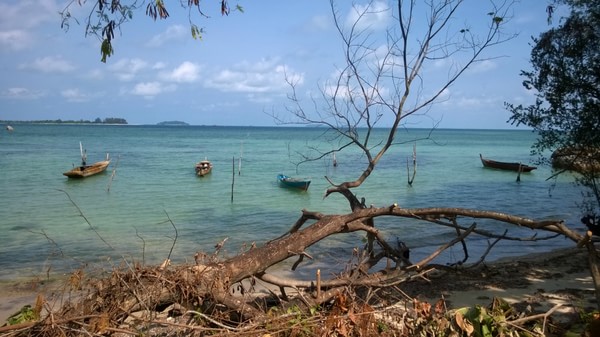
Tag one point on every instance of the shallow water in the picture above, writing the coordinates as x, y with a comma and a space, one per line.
49, 222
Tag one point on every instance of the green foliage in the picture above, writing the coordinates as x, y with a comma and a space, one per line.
565, 80
157, 10
26, 314
477, 321
105, 17
196, 32
106, 50
114, 120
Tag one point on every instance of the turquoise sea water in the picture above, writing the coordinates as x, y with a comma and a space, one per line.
154, 190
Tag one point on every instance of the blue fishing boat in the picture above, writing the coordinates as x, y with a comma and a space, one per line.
289, 182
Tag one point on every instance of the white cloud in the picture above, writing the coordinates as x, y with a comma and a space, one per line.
74, 95
445, 95
440, 63
49, 64
159, 65
127, 69
15, 40
371, 16
95, 74
18, 18
483, 66
319, 23
260, 77
218, 106
186, 72
151, 89
21, 93
173, 33
259, 98
147, 89
464, 100
27, 14
342, 92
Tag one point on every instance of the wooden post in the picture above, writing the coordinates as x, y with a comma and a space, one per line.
414, 160
318, 284
232, 177
240, 161
114, 171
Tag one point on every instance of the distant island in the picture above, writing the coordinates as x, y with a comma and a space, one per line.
172, 123
108, 120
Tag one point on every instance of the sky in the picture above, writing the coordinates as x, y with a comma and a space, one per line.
236, 74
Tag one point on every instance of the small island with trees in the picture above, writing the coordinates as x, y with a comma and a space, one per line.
98, 120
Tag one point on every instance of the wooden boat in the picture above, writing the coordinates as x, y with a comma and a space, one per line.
203, 168
517, 167
83, 171
289, 182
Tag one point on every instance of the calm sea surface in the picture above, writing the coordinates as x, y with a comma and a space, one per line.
154, 190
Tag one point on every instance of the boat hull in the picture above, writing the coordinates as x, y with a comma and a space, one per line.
87, 170
500, 165
294, 183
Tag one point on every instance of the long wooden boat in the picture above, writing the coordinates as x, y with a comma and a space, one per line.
203, 168
83, 171
500, 165
289, 182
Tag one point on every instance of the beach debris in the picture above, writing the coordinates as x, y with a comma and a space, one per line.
165, 264
592, 222
25, 314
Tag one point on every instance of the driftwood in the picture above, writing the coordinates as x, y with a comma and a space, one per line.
224, 288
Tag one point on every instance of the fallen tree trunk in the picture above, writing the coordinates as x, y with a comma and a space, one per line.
211, 283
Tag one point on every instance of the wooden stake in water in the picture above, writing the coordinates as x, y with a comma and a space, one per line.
232, 177
240, 161
114, 172
414, 162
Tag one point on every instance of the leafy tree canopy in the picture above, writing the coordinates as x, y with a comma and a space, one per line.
566, 81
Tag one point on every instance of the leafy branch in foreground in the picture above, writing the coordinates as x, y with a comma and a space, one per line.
106, 17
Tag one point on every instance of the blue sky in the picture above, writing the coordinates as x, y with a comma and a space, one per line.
235, 74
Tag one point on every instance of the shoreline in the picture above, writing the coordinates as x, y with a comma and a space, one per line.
533, 282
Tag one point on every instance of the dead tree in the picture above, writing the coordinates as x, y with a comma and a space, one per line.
386, 82
210, 282
374, 82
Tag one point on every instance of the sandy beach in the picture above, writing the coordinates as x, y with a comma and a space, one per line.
533, 284
14, 295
